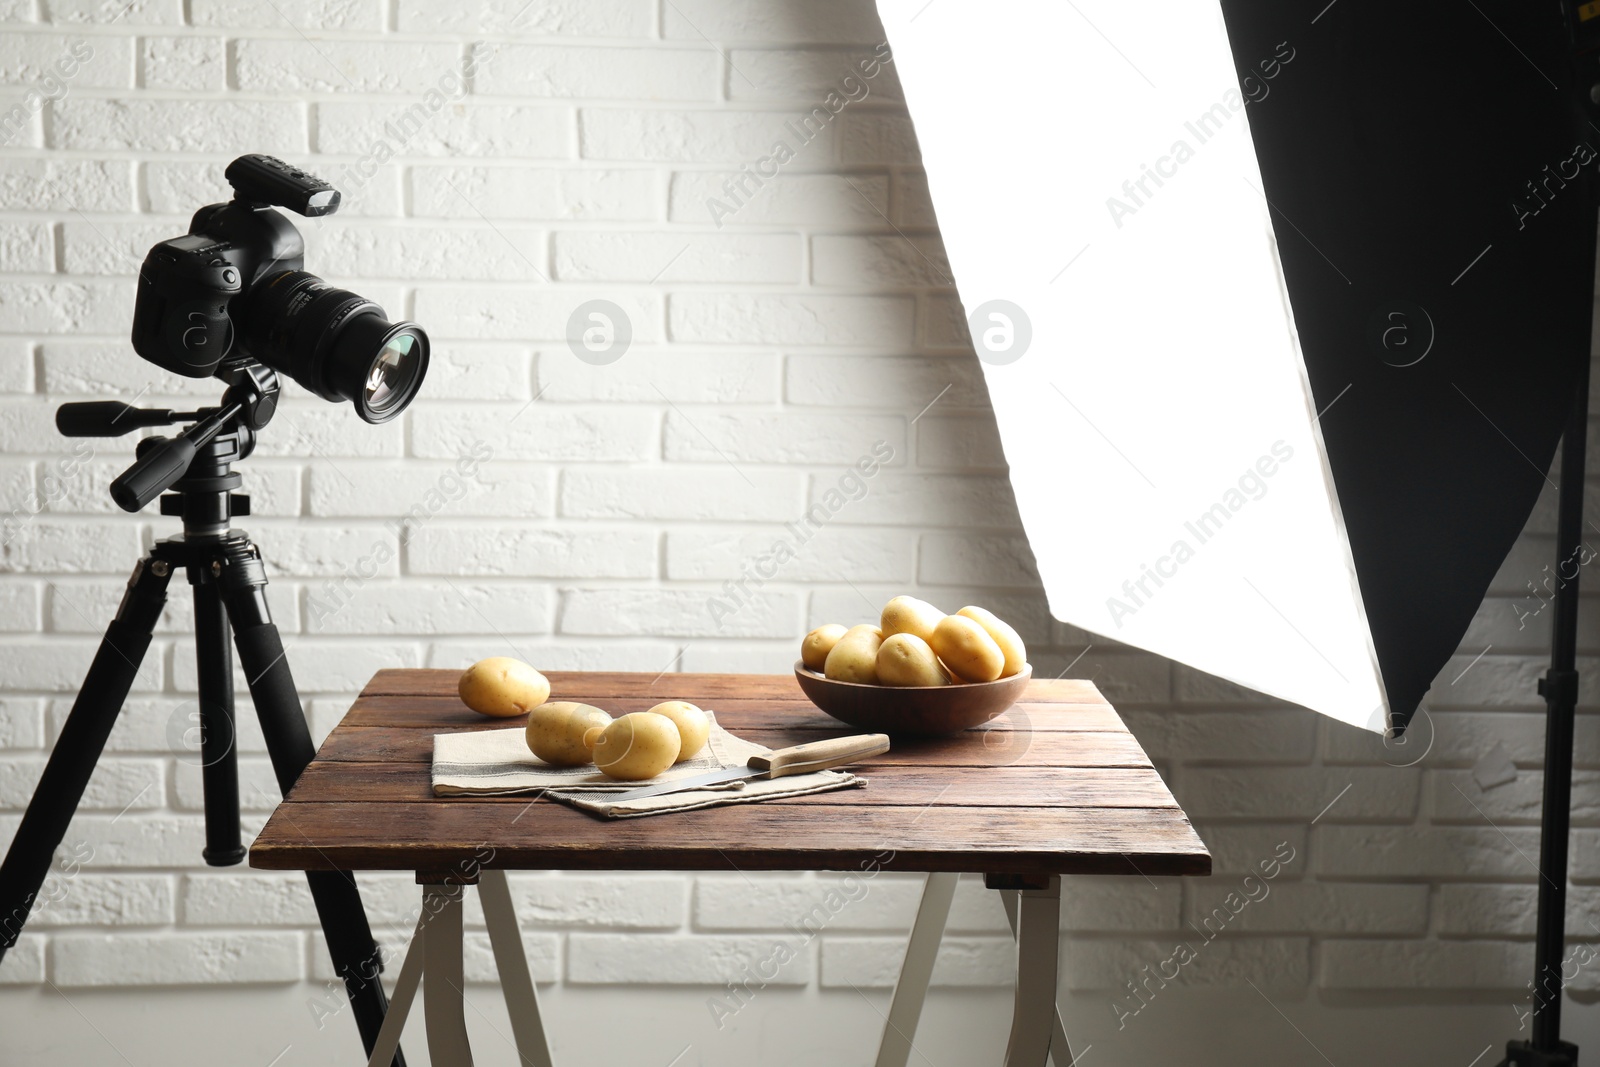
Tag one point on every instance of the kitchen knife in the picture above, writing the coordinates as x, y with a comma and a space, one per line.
801, 759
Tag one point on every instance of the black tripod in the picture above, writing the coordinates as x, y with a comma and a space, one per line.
229, 583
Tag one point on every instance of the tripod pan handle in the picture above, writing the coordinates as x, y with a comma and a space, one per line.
153, 473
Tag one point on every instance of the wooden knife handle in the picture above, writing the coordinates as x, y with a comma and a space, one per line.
820, 755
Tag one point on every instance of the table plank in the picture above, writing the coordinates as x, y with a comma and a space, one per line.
974, 748
437, 834
440, 713
1092, 787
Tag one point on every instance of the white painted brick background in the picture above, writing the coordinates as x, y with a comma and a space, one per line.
768, 354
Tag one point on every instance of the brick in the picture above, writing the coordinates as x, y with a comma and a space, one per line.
110, 369
392, 490
26, 248
924, 386
806, 906
554, 193
478, 372
292, 66
604, 73
158, 725
630, 959
1425, 852
611, 901
966, 444
668, 258
1510, 910
547, 434
936, 500
677, 613
798, 555
789, 198
137, 13
1374, 793
98, 900
65, 546
626, 18
1462, 737
879, 262
588, 656
255, 898
21, 723
771, 657
95, 63
1238, 849
319, 666
652, 375
681, 493
85, 607
996, 560
765, 437
1457, 797
192, 64
701, 136
318, 15
24, 962
1309, 907
811, 74
16, 366
943, 324
913, 204
821, 22
328, 433
177, 959
24, 128
73, 307
789, 319
113, 248
871, 137
874, 963
1276, 736
135, 840
88, 124
331, 551
1499, 681
414, 252
116, 784
1281, 963
482, 313
573, 552
428, 608
457, 130
1431, 965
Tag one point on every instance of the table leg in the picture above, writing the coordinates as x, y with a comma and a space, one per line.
1038, 947
916, 970
522, 1000
405, 991
1060, 1051
444, 986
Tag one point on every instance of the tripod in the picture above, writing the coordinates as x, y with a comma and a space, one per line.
229, 585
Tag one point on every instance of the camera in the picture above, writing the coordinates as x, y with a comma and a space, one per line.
232, 290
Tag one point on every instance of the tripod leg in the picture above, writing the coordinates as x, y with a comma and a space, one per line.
77, 750
344, 921
219, 769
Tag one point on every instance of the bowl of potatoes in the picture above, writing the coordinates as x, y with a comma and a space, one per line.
916, 671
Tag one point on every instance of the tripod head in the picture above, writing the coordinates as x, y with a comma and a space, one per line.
247, 406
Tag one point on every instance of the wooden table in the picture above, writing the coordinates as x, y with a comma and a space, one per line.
1055, 786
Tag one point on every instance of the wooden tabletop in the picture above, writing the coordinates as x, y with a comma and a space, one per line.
1057, 785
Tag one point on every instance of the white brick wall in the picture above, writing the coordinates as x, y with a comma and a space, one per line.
770, 349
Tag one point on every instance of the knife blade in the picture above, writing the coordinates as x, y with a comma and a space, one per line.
800, 759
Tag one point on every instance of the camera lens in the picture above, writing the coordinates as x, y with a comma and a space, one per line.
336, 343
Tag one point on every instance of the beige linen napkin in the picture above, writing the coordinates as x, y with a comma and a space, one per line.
497, 762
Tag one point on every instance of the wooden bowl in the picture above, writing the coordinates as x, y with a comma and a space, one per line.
924, 710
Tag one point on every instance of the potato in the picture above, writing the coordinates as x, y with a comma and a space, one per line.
906, 659
967, 649
1009, 640
818, 643
502, 687
640, 745
556, 732
908, 615
854, 658
694, 726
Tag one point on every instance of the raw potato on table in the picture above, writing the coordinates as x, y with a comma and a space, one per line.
502, 687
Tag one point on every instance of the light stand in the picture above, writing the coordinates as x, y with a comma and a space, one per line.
229, 584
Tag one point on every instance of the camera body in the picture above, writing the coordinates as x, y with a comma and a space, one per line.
232, 290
